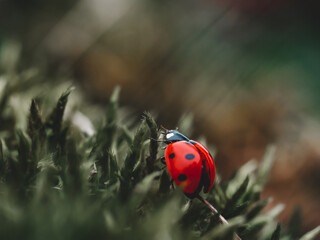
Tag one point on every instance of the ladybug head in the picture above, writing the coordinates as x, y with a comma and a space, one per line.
175, 136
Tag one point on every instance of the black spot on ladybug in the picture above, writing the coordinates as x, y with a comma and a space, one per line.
189, 156
182, 177
172, 155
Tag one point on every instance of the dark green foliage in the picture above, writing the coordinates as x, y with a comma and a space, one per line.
294, 226
153, 148
252, 229
132, 167
106, 134
53, 124
54, 121
4, 98
256, 208
35, 123
276, 233
57, 182
224, 231
2, 159
165, 182
232, 207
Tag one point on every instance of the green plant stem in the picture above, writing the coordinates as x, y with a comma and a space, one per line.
215, 211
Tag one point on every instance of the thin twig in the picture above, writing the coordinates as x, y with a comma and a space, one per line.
215, 211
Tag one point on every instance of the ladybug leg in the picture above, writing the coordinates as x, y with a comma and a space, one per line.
163, 168
163, 160
171, 182
163, 129
157, 140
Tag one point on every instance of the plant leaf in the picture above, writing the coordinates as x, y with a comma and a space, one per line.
311, 234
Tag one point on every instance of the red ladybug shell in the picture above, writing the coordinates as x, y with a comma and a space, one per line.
184, 165
209, 166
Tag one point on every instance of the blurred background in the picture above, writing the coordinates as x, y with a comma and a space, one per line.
246, 71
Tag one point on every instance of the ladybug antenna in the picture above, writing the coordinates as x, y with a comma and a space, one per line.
157, 140
215, 211
164, 129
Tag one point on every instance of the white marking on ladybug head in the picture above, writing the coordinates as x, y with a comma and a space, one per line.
169, 135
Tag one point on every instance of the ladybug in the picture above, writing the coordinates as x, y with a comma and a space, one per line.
191, 167
189, 163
